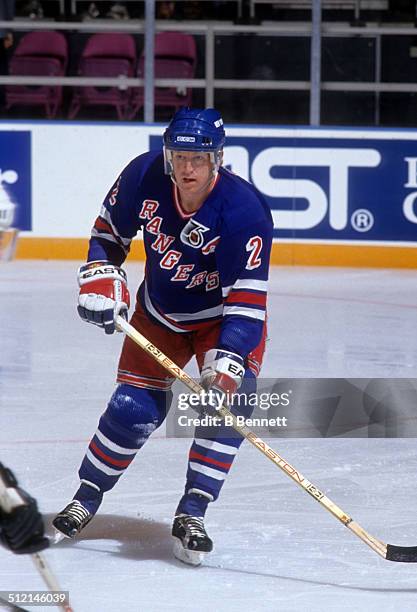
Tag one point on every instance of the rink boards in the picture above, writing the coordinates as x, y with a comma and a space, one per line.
338, 197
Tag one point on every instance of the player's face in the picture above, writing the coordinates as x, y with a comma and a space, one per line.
192, 170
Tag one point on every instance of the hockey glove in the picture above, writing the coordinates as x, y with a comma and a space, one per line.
21, 524
221, 376
103, 294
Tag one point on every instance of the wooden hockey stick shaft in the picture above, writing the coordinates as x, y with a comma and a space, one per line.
387, 551
49, 578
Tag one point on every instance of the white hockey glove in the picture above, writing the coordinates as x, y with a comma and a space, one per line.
103, 294
222, 374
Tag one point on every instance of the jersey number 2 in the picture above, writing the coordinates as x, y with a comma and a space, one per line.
254, 245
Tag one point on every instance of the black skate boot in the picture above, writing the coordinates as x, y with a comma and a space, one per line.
71, 520
191, 540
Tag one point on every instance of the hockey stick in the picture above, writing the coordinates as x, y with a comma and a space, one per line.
405, 554
49, 578
10, 499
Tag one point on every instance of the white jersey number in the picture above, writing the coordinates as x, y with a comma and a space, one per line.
254, 246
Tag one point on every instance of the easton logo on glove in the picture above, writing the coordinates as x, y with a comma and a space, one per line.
235, 369
103, 294
222, 370
100, 271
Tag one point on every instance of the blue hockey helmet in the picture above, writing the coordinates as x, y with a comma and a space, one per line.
195, 129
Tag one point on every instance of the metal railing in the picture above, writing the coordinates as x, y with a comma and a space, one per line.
353, 5
209, 83
238, 4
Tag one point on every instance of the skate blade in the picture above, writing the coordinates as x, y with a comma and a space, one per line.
58, 536
191, 557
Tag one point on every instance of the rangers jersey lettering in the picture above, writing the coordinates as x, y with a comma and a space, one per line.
200, 267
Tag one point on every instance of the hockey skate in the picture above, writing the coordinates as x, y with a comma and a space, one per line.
71, 520
191, 542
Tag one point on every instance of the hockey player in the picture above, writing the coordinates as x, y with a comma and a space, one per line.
21, 524
207, 236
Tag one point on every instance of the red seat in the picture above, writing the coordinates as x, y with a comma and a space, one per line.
38, 54
175, 57
105, 55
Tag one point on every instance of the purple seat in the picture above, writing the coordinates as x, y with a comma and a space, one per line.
175, 57
105, 55
38, 54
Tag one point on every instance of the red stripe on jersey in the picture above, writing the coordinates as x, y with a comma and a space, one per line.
259, 299
101, 224
117, 462
194, 455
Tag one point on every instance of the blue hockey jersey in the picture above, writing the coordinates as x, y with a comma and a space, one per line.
203, 266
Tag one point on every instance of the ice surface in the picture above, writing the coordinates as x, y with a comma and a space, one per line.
275, 547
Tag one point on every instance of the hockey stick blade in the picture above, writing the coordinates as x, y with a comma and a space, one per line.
402, 554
